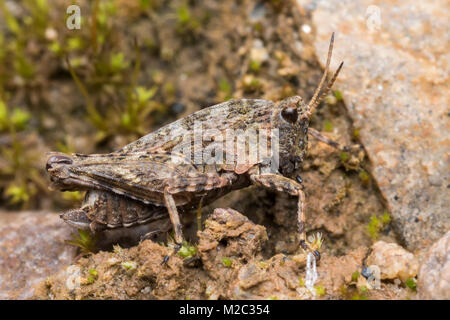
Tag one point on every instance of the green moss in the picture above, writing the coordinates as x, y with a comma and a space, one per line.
227, 262
186, 23
358, 296
356, 134
225, 88
344, 156
23, 67
376, 224
343, 290
374, 227
255, 66
169, 90
93, 275
363, 290
55, 47
84, 240
17, 194
385, 218
338, 94
117, 62
411, 284
327, 126
320, 290
187, 251
365, 177
74, 43
355, 276
93, 272
129, 265
11, 22
301, 282
258, 27
15, 120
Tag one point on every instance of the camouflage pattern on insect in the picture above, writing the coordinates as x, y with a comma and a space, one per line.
147, 180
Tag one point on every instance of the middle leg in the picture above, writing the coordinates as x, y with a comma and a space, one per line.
193, 184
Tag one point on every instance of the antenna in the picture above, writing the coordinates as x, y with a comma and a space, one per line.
316, 99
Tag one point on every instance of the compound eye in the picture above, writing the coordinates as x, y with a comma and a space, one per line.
290, 114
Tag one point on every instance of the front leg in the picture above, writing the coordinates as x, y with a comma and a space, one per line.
319, 136
355, 151
283, 184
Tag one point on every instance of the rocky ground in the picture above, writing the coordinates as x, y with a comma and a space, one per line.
383, 212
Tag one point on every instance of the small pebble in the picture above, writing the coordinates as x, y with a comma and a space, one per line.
306, 28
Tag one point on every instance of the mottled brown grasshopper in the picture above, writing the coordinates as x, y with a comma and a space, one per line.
152, 178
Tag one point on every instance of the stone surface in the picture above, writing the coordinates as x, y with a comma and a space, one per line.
394, 261
31, 249
232, 267
395, 86
434, 273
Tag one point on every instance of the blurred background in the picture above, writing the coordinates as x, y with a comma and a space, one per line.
134, 66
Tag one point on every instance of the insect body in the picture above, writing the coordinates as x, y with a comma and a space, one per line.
153, 177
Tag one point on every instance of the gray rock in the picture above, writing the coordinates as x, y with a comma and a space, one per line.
31, 249
395, 85
434, 273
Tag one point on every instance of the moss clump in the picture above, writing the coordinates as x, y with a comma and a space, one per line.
227, 262
84, 240
16, 119
365, 178
411, 284
301, 282
255, 66
338, 94
93, 275
187, 251
129, 265
360, 294
320, 290
376, 224
385, 218
344, 156
225, 89
355, 276
327, 126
